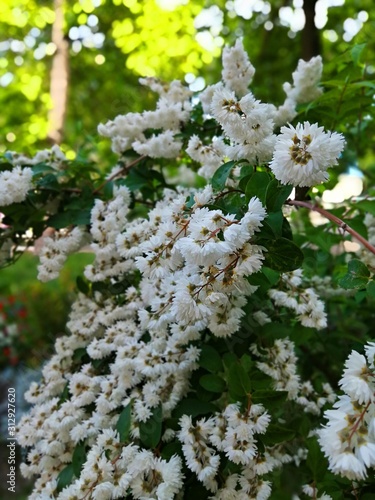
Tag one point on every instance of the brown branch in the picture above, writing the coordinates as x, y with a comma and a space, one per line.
342, 225
124, 170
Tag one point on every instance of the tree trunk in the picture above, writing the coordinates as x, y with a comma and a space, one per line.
310, 33
59, 77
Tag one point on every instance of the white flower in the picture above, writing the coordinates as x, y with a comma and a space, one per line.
303, 154
358, 380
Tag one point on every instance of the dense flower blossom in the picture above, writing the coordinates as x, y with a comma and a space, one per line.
14, 185
348, 438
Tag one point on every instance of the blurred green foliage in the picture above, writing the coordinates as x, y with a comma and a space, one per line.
45, 306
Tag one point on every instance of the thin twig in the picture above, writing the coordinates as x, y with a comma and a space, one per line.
342, 225
124, 170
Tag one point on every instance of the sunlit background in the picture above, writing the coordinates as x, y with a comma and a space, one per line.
105, 45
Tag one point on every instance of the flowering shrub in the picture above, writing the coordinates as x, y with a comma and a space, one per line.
199, 355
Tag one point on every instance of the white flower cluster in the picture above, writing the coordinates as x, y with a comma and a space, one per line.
280, 363
14, 185
194, 263
142, 374
172, 111
107, 221
305, 88
348, 438
300, 156
233, 433
238, 72
54, 157
303, 301
56, 249
303, 153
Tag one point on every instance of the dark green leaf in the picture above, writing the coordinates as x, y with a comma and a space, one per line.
79, 458
276, 195
275, 222
136, 180
270, 399
213, 383
221, 175
82, 285
65, 477
228, 359
49, 181
79, 353
239, 384
371, 289
257, 186
357, 275
170, 449
277, 434
123, 423
150, 431
282, 255
193, 407
315, 459
210, 359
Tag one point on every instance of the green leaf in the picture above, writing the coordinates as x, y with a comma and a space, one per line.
79, 458
276, 195
136, 179
150, 431
213, 383
123, 423
275, 222
357, 275
79, 353
277, 434
65, 219
315, 459
170, 449
210, 359
246, 362
193, 407
356, 52
257, 186
41, 168
49, 181
371, 289
270, 399
228, 359
282, 255
65, 477
239, 384
272, 276
82, 285
366, 206
221, 175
